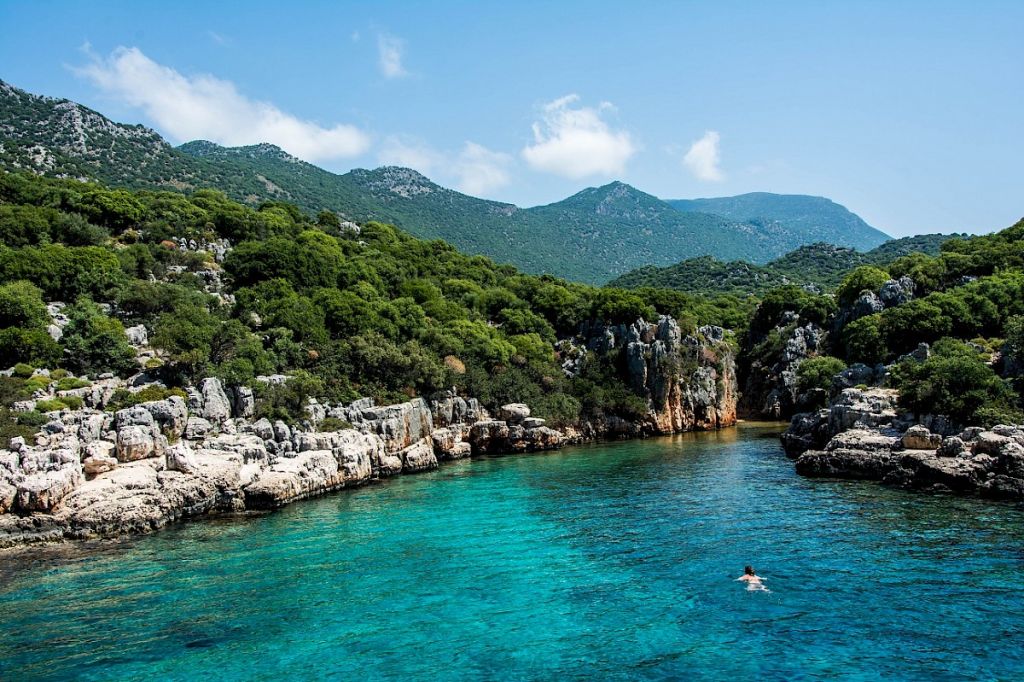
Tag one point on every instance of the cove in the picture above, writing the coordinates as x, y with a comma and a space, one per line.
607, 561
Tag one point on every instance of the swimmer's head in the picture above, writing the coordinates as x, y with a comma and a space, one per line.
749, 570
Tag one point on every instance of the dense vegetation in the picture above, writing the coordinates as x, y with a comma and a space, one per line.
967, 303
819, 266
589, 237
344, 313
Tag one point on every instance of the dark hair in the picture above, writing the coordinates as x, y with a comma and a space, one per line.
749, 570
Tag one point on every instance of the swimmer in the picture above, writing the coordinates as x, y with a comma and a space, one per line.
753, 581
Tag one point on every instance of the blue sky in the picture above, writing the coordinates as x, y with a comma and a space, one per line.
909, 113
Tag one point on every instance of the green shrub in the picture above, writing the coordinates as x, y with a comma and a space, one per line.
864, 278
817, 372
74, 402
33, 384
67, 383
953, 381
96, 343
51, 405
34, 419
12, 427
35, 346
23, 370
863, 341
123, 398
328, 424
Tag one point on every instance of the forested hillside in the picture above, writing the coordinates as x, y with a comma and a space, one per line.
589, 237
815, 219
236, 292
820, 266
945, 330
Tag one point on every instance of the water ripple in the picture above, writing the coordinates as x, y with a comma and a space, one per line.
602, 562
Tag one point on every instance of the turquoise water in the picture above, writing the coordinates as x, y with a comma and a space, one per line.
602, 562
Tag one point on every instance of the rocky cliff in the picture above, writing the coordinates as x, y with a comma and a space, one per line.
688, 382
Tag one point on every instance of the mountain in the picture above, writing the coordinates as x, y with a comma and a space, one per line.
592, 236
794, 219
821, 266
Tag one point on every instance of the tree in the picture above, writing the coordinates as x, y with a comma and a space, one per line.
863, 340
95, 343
864, 278
954, 381
818, 372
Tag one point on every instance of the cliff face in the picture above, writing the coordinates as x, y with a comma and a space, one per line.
688, 381
770, 382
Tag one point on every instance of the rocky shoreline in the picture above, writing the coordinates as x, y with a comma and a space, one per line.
96, 475
92, 472
864, 435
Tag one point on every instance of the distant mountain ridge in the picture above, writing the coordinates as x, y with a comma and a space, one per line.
592, 236
816, 219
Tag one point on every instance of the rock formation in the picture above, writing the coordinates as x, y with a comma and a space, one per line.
91, 473
864, 435
687, 381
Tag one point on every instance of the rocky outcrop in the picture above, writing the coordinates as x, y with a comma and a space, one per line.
93, 474
864, 435
688, 382
770, 386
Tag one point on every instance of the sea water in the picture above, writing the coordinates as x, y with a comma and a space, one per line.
609, 561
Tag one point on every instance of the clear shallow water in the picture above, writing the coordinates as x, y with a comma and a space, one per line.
601, 562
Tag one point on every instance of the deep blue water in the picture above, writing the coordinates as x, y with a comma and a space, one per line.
611, 561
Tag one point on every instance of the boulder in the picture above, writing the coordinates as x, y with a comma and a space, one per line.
197, 428
171, 414
99, 463
8, 493
418, 457
533, 422
90, 427
461, 450
243, 402
135, 442
488, 436
953, 447
136, 415
920, 438
137, 335
897, 291
180, 457
281, 432
307, 474
42, 491
216, 407
444, 441
263, 428
513, 413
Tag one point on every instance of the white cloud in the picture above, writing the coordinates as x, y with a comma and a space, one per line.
206, 107
576, 142
474, 169
402, 150
391, 50
481, 170
703, 159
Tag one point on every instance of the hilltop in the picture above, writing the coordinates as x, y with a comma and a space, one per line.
592, 236
792, 219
